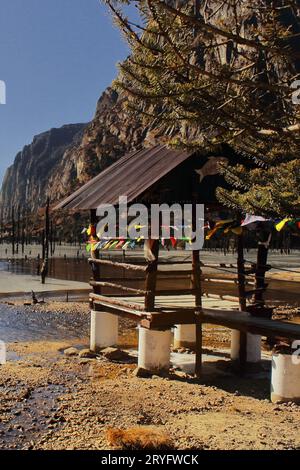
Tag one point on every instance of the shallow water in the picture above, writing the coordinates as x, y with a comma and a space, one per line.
24, 324
278, 292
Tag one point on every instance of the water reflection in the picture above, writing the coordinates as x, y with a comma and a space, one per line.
77, 269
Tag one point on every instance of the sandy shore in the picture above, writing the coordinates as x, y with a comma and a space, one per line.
51, 401
14, 283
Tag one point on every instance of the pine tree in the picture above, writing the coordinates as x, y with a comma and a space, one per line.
207, 73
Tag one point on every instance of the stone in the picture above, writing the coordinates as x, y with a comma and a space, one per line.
84, 361
180, 374
87, 354
70, 352
142, 373
115, 354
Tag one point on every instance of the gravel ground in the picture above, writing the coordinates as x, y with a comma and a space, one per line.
51, 401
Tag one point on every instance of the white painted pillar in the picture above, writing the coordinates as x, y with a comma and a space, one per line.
253, 347
185, 336
154, 349
285, 380
104, 330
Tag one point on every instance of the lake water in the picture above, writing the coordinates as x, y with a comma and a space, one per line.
78, 269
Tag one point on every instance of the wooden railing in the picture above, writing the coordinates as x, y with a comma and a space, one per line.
150, 273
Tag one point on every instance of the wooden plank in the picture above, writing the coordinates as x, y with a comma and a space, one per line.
116, 264
120, 311
219, 280
243, 322
112, 285
240, 321
116, 302
168, 317
230, 298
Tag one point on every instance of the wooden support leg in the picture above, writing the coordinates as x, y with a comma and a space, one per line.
198, 312
95, 254
261, 268
242, 299
150, 287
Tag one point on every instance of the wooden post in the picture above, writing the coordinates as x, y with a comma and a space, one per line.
51, 238
95, 254
150, 285
196, 279
43, 244
261, 268
242, 298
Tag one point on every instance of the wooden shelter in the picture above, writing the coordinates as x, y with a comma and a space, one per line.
163, 175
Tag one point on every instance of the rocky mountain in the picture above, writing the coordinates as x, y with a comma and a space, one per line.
110, 134
60, 160
26, 182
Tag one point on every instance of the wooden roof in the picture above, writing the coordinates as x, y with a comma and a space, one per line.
130, 176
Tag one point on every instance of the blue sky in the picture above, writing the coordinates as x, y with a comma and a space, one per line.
56, 57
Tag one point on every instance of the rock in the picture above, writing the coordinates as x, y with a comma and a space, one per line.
70, 352
87, 354
84, 361
180, 374
142, 373
115, 354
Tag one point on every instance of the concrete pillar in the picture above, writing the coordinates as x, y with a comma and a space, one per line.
285, 380
185, 336
253, 347
154, 349
104, 330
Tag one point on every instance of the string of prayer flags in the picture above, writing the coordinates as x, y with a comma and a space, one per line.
173, 241
251, 221
234, 228
280, 225
223, 227
220, 225
91, 230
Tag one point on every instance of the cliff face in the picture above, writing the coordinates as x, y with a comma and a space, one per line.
26, 182
110, 134
60, 160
